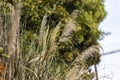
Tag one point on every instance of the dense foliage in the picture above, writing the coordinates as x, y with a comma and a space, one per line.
90, 14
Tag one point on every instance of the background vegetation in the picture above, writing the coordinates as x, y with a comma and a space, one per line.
49, 39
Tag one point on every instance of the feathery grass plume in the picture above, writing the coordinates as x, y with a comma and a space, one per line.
14, 25
70, 26
91, 55
68, 29
65, 43
53, 37
42, 29
87, 58
12, 37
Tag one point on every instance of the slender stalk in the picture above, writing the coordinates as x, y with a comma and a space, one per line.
96, 72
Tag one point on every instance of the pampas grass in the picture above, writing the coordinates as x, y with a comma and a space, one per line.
34, 56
